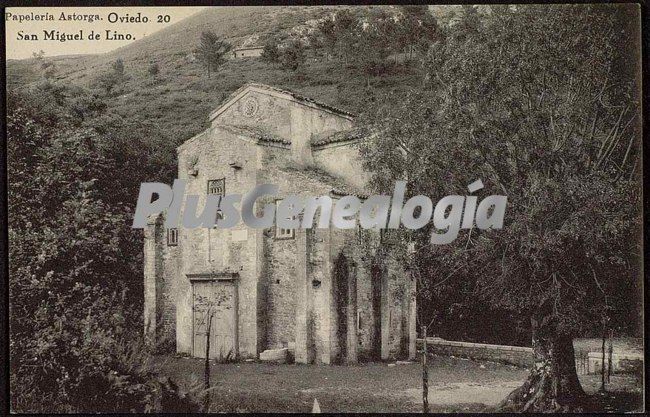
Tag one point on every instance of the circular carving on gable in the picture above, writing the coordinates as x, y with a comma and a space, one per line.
250, 107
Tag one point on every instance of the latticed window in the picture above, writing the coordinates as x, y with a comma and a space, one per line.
281, 233
217, 186
172, 237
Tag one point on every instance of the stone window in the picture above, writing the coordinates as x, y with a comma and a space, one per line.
217, 186
281, 233
172, 237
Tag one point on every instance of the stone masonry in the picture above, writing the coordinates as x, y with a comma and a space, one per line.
328, 295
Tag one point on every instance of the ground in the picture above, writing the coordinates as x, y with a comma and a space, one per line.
455, 385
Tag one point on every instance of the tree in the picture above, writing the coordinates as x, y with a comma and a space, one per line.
206, 308
271, 53
292, 55
526, 100
212, 51
113, 78
324, 37
74, 299
369, 48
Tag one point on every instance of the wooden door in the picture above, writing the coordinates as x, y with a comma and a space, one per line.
219, 300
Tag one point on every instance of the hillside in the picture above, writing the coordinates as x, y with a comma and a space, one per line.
179, 99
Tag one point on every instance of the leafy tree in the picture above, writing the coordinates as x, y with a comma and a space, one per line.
113, 78
72, 291
271, 53
526, 99
369, 48
212, 51
38, 56
337, 34
416, 30
324, 37
292, 55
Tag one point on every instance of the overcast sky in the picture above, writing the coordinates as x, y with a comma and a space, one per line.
18, 49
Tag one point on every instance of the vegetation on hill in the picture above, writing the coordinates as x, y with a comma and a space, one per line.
501, 93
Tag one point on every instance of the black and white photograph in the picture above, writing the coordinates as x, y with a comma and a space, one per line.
352, 208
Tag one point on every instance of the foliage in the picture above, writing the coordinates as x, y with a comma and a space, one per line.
292, 56
270, 53
524, 100
73, 292
212, 51
367, 40
116, 77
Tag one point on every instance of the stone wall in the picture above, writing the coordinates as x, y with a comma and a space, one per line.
514, 355
237, 250
622, 363
342, 159
280, 256
285, 288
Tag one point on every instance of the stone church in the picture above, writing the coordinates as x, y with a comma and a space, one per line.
328, 295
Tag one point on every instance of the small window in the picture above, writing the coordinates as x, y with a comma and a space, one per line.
172, 237
281, 233
217, 186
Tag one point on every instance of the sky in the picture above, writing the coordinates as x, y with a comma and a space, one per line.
19, 33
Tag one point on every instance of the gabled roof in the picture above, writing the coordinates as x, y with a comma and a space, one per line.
256, 133
341, 136
246, 48
338, 186
286, 94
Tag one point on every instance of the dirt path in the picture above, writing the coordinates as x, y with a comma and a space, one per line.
459, 393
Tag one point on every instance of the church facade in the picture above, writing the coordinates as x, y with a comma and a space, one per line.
328, 295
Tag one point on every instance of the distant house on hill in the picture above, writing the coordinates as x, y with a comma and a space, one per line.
248, 52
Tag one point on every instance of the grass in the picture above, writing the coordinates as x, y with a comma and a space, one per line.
179, 99
455, 385
371, 387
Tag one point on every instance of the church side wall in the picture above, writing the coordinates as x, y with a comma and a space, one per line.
280, 255
343, 161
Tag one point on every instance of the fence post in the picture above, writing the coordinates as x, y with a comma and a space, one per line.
602, 362
610, 352
425, 373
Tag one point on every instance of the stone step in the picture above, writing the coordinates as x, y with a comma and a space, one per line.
275, 355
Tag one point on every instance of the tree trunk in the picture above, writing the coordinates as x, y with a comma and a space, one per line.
553, 383
206, 372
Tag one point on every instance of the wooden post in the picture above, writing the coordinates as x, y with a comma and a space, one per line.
425, 373
610, 352
602, 362
206, 375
